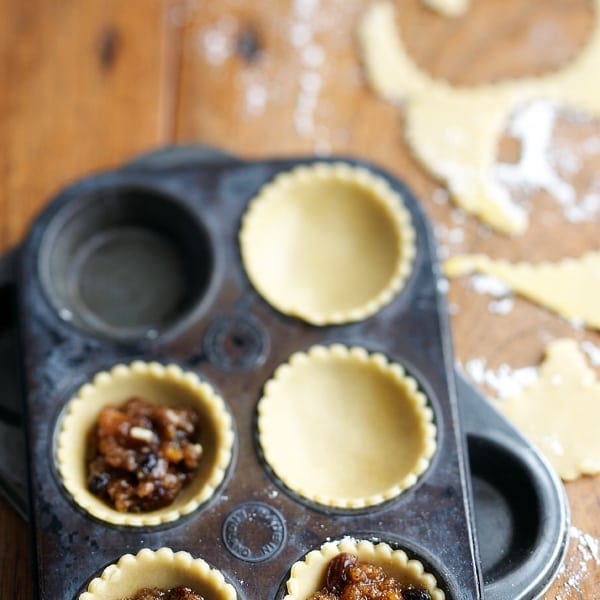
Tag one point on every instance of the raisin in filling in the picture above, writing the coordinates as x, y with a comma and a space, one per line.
178, 593
349, 579
141, 455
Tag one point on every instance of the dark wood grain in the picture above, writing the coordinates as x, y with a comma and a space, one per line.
87, 84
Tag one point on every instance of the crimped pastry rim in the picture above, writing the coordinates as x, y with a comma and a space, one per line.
317, 560
381, 193
380, 363
164, 558
220, 419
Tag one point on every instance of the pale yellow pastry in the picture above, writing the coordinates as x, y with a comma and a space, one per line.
454, 131
328, 243
448, 8
560, 411
345, 428
308, 575
163, 569
158, 384
570, 287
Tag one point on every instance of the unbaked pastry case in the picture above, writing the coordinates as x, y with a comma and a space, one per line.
79, 316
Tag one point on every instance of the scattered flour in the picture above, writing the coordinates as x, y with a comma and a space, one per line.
584, 556
533, 126
587, 209
266, 83
505, 381
449, 239
443, 285
486, 284
541, 161
593, 353
492, 286
218, 42
502, 306
311, 58
255, 97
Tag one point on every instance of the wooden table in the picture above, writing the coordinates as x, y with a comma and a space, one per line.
85, 85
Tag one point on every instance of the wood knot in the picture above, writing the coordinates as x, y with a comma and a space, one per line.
109, 46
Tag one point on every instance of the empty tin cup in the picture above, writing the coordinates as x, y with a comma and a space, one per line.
126, 262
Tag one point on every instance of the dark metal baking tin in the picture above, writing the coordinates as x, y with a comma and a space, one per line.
60, 356
432, 519
13, 454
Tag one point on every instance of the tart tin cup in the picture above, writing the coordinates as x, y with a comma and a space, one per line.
328, 243
308, 575
158, 384
520, 506
344, 428
126, 262
163, 569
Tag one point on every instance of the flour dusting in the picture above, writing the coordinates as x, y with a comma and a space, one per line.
486, 284
217, 43
505, 382
502, 306
545, 165
593, 353
533, 127
584, 556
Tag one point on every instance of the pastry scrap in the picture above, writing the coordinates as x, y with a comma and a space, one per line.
454, 132
570, 287
560, 412
328, 243
161, 574
331, 418
325, 574
139, 477
142, 454
448, 8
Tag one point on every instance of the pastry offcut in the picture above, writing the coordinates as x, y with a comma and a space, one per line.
157, 384
454, 131
560, 411
345, 428
162, 569
570, 287
328, 243
308, 575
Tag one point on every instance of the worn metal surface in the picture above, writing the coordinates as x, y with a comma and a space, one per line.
13, 461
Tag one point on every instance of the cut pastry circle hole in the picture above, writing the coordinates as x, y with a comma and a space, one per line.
328, 243
307, 576
163, 569
157, 384
330, 419
524, 41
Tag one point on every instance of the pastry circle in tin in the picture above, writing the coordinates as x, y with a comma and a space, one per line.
328, 243
158, 384
307, 576
163, 569
344, 428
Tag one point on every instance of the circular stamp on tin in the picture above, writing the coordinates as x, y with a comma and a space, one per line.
235, 343
254, 532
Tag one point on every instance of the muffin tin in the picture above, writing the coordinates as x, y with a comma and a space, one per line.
167, 226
